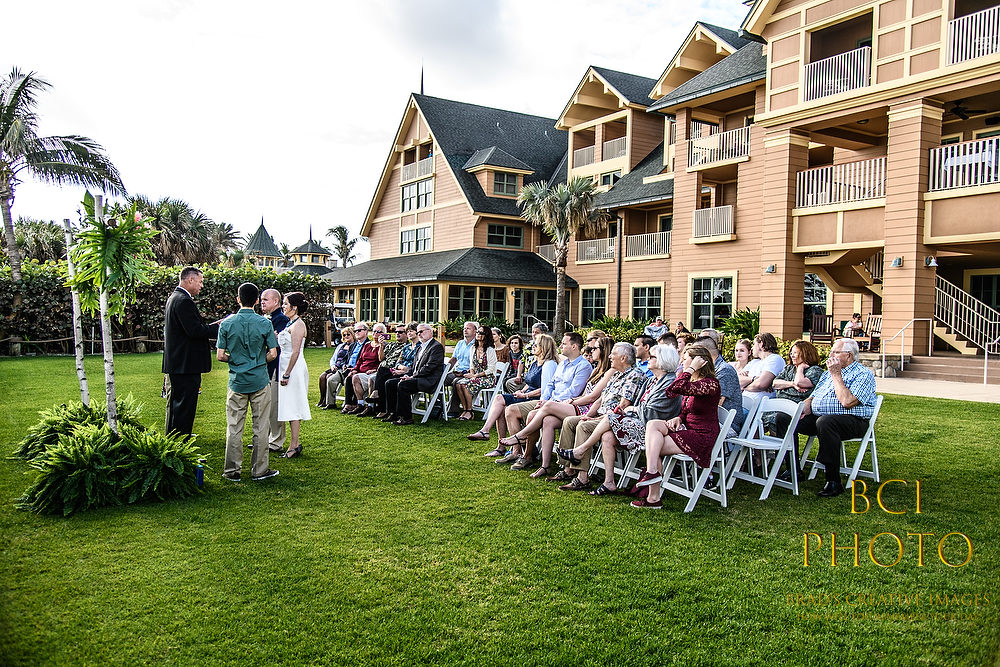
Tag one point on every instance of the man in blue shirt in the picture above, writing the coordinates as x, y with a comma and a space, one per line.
461, 361
270, 306
247, 342
643, 344
838, 409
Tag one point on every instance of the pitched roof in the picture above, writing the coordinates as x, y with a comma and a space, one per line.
747, 65
633, 87
730, 38
630, 190
261, 243
312, 246
461, 130
312, 270
480, 265
495, 157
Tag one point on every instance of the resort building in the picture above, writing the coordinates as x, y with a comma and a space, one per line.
312, 258
261, 251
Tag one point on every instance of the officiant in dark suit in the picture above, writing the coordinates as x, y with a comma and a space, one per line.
428, 366
187, 352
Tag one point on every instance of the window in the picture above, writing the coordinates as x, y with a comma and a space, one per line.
492, 302
986, 288
545, 306
414, 240
345, 296
665, 223
409, 197
315, 259
611, 178
504, 183
368, 306
646, 303
393, 300
711, 301
815, 300
505, 236
418, 195
425, 303
461, 302
595, 303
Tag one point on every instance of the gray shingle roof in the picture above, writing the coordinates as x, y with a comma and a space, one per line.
745, 66
262, 243
312, 247
635, 88
480, 265
312, 270
495, 157
630, 190
463, 129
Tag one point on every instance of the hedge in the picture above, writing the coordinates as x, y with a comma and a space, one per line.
45, 311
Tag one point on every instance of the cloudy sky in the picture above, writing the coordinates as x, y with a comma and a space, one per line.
286, 111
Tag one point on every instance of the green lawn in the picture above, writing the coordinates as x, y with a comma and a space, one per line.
396, 546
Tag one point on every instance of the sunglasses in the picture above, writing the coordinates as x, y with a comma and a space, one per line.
359, 330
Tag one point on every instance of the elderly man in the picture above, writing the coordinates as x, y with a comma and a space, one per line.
838, 409
461, 361
428, 365
270, 306
367, 362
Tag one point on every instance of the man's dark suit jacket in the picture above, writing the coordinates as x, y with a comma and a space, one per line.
186, 348
428, 368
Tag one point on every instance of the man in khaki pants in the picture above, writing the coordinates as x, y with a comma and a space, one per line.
247, 342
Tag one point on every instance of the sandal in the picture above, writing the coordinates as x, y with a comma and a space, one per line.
463, 418
499, 451
541, 472
478, 435
514, 440
575, 485
568, 455
561, 476
603, 490
293, 452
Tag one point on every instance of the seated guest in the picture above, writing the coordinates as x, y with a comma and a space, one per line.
481, 375
626, 429
541, 372
642, 346
403, 365
838, 409
593, 336
743, 357
729, 381
428, 366
567, 383
367, 362
499, 344
680, 328
657, 328
515, 356
331, 379
798, 379
516, 383
621, 390
389, 352
761, 376
461, 360
854, 328
668, 338
693, 432
683, 340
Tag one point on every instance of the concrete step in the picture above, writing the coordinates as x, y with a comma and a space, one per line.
960, 344
967, 377
950, 367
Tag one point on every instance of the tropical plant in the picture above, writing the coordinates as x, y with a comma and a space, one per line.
453, 327
743, 323
156, 466
62, 160
40, 240
561, 212
286, 254
619, 328
343, 245
57, 421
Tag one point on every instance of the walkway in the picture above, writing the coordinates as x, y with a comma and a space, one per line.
962, 391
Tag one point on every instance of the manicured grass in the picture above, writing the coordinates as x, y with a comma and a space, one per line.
396, 546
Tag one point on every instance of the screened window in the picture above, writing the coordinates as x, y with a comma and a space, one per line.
492, 302
461, 301
392, 298
368, 304
505, 236
425, 303
611, 177
595, 304
409, 197
711, 301
425, 193
504, 183
646, 303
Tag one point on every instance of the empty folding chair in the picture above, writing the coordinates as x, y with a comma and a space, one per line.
866, 446
689, 471
773, 451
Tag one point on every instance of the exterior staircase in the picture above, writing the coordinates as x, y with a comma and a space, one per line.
951, 367
955, 341
963, 321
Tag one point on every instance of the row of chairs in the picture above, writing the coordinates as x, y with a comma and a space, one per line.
425, 402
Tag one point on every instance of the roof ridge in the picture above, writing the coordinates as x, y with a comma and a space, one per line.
482, 106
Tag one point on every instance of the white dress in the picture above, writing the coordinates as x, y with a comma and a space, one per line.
293, 398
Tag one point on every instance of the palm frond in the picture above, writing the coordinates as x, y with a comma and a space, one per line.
73, 160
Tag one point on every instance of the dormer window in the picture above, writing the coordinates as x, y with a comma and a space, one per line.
504, 184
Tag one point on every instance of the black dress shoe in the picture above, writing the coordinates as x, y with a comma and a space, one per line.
831, 490
403, 421
389, 418
369, 411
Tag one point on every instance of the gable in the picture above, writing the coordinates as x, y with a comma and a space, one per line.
704, 46
602, 92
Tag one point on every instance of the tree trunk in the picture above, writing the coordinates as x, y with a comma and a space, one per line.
562, 251
13, 254
109, 353
81, 374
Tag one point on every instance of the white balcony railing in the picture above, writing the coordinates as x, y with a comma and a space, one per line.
547, 252
965, 164
614, 148
418, 169
715, 221
719, 147
876, 265
847, 71
840, 183
700, 128
974, 36
583, 156
647, 245
595, 250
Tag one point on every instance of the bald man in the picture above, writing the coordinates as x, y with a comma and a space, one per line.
270, 305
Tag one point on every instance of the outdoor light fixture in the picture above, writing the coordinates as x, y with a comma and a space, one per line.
930, 261
896, 262
770, 268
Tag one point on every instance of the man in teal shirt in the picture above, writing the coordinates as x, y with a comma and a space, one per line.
247, 342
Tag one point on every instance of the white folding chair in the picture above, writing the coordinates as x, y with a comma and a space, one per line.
689, 470
773, 450
867, 445
626, 465
750, 405
424, 402
484, 399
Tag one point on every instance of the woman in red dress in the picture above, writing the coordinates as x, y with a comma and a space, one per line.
693, 432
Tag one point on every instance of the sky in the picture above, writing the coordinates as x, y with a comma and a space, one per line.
287, 111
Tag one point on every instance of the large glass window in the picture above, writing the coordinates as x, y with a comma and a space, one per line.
414, 240
492, 301
461, 302
418, 195
345, 296
986, 288
504, 183
711, 301
425, 303
505, 236
815, 300
393, 307
368, 304
531, 305
595, 304
646, 303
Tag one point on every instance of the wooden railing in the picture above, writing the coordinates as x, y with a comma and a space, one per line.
595, 250
715, 221
719, 147
418, 169
965, 164
847, 71
614, 148
876, 265
583, 156
974, 36
840, 183
647, 245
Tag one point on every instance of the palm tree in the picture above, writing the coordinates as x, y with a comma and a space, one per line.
39, 239
62, 160
343, 247
286, 254
561, 212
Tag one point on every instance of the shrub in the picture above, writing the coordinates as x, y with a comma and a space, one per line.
453, 327
63, 420
744, 323
619, 328
156, 466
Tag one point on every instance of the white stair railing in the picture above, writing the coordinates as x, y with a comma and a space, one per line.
974, 36
966, 315
547, 252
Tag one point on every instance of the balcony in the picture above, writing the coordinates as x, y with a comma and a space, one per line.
547, 252
416, 170
614, 148
830, 76
965, 165
597, 250
583, 156
721, 147
974, 36
841, 183
713, 224
656, 244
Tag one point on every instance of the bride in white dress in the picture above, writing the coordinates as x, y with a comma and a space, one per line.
293, 387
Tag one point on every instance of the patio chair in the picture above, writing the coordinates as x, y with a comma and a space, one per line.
484, 399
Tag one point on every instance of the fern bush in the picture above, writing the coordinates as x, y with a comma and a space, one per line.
619, 328
62, 420
156, 467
